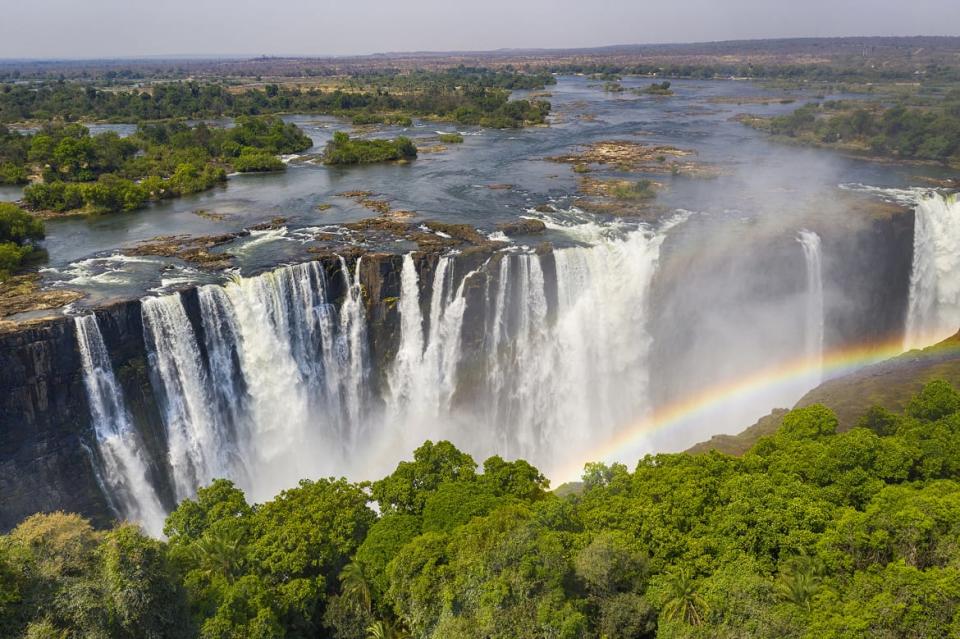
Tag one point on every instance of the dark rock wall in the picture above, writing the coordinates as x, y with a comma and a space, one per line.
714, 299
44, 426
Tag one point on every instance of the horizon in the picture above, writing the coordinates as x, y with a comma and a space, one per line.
302, 28
442, 52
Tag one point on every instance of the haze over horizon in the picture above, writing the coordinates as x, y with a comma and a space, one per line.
118, 28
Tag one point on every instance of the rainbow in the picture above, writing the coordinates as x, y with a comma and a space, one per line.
629, 440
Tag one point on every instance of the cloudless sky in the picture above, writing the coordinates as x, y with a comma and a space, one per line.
101, 28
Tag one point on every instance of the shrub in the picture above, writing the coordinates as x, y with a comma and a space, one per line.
254, 160
346, 150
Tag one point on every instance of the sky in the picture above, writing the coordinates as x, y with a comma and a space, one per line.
129, 28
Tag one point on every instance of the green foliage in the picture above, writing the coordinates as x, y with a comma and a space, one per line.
71, 581
811, 533
498, 576
517, 478
659, 88
18, 226
361, 119
639, 190
407, 489
927, 132
105, 173
610, 564
14, 149
480, 95
451, 138
683, 601
937, 399
812, 422
456, 503
345, 150
384, 540
111, 193
253, 160
19, 231
11, 173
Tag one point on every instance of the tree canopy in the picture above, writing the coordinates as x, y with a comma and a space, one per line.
813, 532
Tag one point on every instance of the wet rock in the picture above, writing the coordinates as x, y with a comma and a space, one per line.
210, 215
22, 294
523, 226
272, 225
195, 250
636, 157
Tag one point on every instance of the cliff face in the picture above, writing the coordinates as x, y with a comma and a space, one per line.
47, 441
44, 426
869, 269
720, 305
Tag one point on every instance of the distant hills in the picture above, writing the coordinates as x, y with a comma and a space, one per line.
876, 51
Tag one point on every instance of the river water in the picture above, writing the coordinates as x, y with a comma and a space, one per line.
454, 185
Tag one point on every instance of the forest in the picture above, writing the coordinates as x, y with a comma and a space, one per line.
811, 533
909, 129
107, 173
467, 96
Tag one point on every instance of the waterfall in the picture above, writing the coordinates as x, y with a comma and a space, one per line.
813, 331
282, 392
424, 376
560, 365
402, 383
934, 307
122, 470
531, 355
199, 448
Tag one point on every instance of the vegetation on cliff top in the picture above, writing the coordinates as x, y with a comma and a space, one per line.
810, 533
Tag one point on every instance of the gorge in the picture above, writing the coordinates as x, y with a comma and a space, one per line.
341, 364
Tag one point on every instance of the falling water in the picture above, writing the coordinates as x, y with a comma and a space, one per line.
552, 374
813, 327
122, 470
272, 382
934, 307
198, 447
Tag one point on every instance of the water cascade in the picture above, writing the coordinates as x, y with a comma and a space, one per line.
122, 470
272, 383
813, 331
934, 307
197, 444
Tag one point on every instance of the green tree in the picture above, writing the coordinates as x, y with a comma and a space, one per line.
811, 422
799, 581
409, 486
937, 399
683, 602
